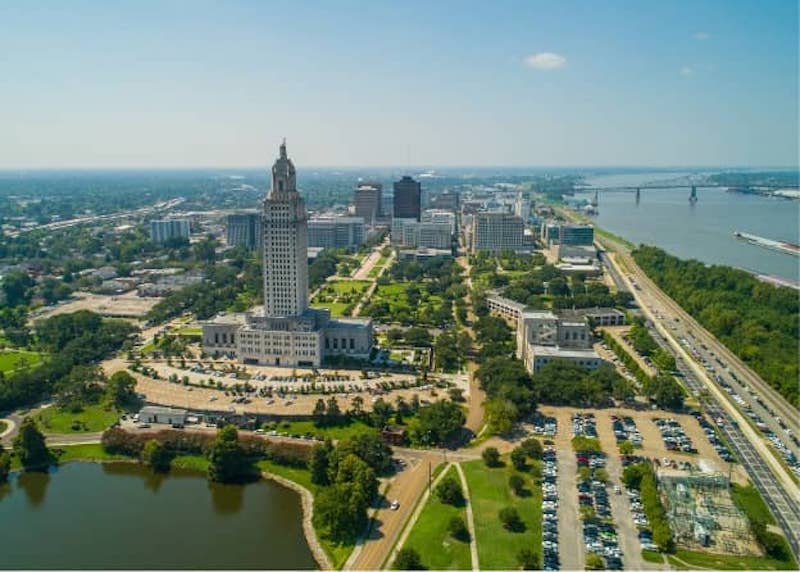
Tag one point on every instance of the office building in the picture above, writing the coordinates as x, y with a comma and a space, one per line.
335, 232
285, 331
163, 230
244, 229
576, 235
498, 231
543, 337
407, 198
413, 233
368, 200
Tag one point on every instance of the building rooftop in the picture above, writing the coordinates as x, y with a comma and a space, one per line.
556, 352
160, 410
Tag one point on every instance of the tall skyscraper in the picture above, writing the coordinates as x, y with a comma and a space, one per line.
367, 199
285, 331
285, 230
407, 198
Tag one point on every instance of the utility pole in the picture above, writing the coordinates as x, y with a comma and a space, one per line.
430, 478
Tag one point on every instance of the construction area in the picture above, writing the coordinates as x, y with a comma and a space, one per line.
703, 515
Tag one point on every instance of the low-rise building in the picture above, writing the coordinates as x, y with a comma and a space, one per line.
159, 414
335, 232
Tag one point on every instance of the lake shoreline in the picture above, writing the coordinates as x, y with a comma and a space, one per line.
306, 501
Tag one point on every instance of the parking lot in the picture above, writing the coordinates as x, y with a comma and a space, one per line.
163, 392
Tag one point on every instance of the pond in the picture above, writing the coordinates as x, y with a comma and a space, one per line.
119, 515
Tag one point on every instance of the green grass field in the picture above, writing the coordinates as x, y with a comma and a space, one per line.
337, 308
90, 452
11, 360
348, 286
92, 418
429, 537
688, 560
190, 332
749, 500
489, 492
335, 432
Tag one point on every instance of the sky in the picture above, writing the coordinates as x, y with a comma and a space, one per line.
196, 83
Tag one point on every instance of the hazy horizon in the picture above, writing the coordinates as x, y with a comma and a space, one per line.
374, 84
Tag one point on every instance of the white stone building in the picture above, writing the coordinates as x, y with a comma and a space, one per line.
285, 331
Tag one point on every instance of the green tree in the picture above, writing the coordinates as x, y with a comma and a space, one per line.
501, 415
626, 448
519, 458
228, 461
437, 423
509, 517
491, 457
516, 483
370, 448
594, 562
532, 447
5, 464
458, 529
528, 559
121, 388
449, 491
318, 415
408, 559
30, 448
156, 456
319, 463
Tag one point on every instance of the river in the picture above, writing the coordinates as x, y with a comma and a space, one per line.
664, 218
119, 515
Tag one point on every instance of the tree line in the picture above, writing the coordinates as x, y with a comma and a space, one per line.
758, 322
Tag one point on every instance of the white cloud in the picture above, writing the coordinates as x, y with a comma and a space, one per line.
701, 36
686, 71
545, 61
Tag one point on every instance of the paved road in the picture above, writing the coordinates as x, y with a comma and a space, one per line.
779, 490
570, 531
407, 488
620, 509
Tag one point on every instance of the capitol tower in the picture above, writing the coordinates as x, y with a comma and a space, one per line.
285, 226
285, 331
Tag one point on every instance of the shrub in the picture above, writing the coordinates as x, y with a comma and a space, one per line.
449, 491
519, 459
517, 484
491, 456
528, 559
408, 559
532, 447
510, 519
458, 529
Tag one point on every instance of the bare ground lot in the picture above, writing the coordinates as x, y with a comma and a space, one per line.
127, 305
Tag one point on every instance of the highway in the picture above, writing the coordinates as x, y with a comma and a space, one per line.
780, 492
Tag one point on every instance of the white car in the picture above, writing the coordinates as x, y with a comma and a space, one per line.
395, 504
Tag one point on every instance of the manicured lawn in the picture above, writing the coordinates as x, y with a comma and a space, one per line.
89, 452
337, 308
348, 286
429, 537
685, 559
652, 556
374, 271
11, 360
749, 500
193, 332
92, 418
190, 463
489, 492
334, 432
